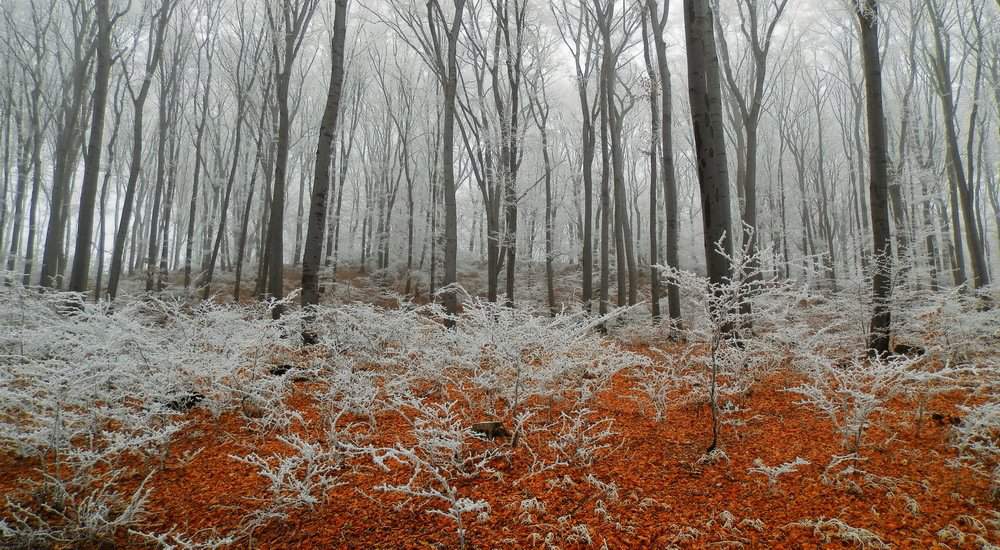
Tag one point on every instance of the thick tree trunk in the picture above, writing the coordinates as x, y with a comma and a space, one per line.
710, 146
878, 163
450, 82
62, 172
92, 164
324, 151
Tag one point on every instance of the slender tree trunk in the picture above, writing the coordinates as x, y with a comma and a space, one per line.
196, 180
24, 147
605, 201
36, 186
654, 144
138, 103
667, 162
961, 192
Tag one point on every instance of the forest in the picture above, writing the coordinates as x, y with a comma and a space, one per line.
499, 274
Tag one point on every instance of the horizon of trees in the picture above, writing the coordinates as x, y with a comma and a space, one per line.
411, 139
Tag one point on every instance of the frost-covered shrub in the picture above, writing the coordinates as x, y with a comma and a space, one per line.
87, 388
353, 392
507, 359
774, 472
75, 504
951, 325
722, 328
517, 354
368, 335
977, 439
296, 480
851, 395
830, 529
579, 440
444, 450
668, 381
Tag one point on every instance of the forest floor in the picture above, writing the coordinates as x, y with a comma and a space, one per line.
365, 442
658, 490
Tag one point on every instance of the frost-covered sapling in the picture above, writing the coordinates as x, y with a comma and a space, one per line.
774, 472
300, 479
724, 325
851, 395
443, 452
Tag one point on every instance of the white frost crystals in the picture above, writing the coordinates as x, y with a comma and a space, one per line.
85, 390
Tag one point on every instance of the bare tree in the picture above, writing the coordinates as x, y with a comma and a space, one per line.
578, 34
540, 110
958, 173
435, 39
68, 136
757, 25
878, 184
159, 21
318, 207
659, 25
705, 93
167, 117
288, 23
92, 166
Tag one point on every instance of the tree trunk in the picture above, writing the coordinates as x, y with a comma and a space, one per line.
878, 163
88, 189
667, 161
138, 103
710, 146
654, 143
324, 151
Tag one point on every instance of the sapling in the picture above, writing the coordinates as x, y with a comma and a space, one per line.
300, 479
851, 395
774, 472
440, 455
728, 311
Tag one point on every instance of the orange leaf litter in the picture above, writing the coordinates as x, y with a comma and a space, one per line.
665, 497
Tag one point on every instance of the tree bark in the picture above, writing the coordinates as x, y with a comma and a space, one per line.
312, 256
705, 96
91, 171
878, 164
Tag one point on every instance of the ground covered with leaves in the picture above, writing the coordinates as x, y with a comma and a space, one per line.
173, 424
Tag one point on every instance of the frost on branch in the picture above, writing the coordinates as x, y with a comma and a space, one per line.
444, 451
828, 530
300, 479
774, 472
977, 440
852, 395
